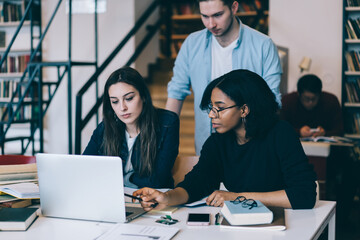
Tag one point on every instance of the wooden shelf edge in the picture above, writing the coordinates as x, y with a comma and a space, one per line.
352, 73
352, 9
11, 75
17, 51
350, 41
198, 16
13, 24
351, 104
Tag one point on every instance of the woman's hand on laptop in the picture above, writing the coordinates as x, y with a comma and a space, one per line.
151, 198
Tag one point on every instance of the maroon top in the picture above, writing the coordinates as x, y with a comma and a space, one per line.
326, 114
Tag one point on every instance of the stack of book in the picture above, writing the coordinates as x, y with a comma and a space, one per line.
16, 182
236, 216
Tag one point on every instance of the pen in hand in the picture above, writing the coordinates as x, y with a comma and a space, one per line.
154, 205
133, 197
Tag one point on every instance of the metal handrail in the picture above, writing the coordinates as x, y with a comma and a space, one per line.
29, 71
81, 123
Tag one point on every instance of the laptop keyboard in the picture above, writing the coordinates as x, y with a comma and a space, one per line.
129, 213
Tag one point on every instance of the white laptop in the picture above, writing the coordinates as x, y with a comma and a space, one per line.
83, 187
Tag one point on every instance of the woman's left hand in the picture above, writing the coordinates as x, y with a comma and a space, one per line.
217, 198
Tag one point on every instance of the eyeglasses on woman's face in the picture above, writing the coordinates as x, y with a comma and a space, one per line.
216, 111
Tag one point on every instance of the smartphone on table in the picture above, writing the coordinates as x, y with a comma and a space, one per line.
198, 219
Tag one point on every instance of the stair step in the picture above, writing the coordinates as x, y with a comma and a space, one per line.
165, 64
187, 146
160, 76
187, 126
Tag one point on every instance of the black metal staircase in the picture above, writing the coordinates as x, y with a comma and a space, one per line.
36, 92
32, 90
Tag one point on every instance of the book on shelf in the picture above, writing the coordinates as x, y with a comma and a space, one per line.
2, 39
353, 90
349, 33
18, 203
15, 63
278, 223
332, 139
236, 214
349, 62
353, 3
21, 190
247, 7
355, 59
185, 8
355, 27
17, 219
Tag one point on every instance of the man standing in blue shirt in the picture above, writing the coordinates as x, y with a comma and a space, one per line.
224, 45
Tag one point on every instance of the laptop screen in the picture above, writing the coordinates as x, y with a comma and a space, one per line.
81, 187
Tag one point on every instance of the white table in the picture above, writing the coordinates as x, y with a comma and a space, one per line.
301, 224
321, 149
316, 149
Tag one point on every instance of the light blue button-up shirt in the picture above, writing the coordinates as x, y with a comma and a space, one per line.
254, 51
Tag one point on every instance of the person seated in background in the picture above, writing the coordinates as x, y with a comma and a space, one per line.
311, 108
145, 138
311, 111
253, 153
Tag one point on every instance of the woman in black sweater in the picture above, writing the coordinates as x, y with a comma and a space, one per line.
253, 153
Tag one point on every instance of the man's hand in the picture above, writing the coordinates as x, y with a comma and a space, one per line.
305, 131
320, 132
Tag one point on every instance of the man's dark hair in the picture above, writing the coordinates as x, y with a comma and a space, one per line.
226, 2
246, 87
310, 83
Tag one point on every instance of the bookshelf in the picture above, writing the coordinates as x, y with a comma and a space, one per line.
351, 69
15, 55
185, 18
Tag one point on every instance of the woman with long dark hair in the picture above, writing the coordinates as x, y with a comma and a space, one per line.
253, 153
146, 138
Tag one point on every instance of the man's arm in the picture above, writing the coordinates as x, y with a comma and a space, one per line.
272, 68
174, 105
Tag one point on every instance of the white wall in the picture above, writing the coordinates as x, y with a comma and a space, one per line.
311, 28
114, 24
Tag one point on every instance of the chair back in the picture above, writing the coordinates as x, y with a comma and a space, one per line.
16, 159
183, 165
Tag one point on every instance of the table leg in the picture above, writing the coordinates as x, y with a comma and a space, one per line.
331, 228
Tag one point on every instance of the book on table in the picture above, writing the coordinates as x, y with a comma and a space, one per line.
17, 203
17, 219
158, 213
18, 173
18, 168
237, 214
277, 224
21, 190
332, 139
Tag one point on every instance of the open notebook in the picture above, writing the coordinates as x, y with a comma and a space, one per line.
83, 187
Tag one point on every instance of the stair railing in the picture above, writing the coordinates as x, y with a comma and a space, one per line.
33, 75
80, 122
